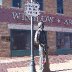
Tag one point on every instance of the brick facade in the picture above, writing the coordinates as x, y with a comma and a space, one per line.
7, 3
50, 6
68, 8
51, 40
4, 44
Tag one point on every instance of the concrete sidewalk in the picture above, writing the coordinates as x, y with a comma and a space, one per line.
62, 67
16, 59
57, 67
21, 64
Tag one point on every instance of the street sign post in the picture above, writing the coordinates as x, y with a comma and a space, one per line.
32, 10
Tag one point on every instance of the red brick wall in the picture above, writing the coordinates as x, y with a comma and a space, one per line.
51, 40
4, 45
7, 3
50, 6
68, 8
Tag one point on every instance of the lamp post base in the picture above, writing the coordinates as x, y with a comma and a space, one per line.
32, 67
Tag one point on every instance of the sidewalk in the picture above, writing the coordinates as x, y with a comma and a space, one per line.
16, 59
22, 64
61, 67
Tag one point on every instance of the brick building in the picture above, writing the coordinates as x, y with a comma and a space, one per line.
15, 27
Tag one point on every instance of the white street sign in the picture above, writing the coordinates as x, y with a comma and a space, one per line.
32, 9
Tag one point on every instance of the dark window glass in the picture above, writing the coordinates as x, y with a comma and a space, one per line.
60, 6
21, 40
41, 4
63, 40
17, 3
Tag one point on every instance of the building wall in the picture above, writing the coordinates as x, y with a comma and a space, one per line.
4, 42
68, 8
50, 6
51, 40
7, 3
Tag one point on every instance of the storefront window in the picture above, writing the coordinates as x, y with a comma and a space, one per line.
21, 40
63, 40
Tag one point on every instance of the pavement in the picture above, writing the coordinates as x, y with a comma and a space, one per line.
22, 64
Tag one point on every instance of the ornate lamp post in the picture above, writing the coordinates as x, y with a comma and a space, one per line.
32, 10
